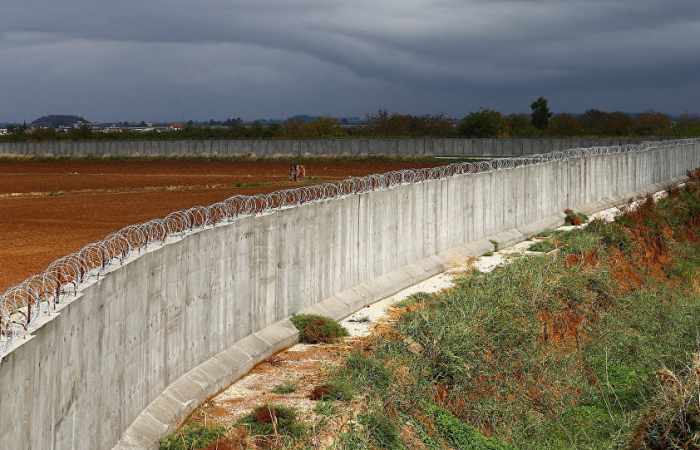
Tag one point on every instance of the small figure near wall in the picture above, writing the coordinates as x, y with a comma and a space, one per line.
297, 172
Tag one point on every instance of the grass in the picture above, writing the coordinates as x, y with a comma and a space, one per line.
287, 387
337, 389
381, 430
542, 246
325, 408
673, 417
459, 434
273, 421
549, 353
545, 234
361, 371
315, 329
193, 436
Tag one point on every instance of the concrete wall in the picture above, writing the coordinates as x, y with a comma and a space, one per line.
311, 147
85, 378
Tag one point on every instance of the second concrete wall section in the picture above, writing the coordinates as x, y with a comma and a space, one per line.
307, 147
85, 376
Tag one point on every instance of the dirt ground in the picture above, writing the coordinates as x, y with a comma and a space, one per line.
49, 209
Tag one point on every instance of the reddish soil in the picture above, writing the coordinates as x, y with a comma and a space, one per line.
49, 209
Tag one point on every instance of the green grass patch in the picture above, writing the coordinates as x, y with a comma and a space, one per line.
363, 371
325, 408
545, 234
548, 353
337, 389
315, 329
578, 241
192, 437
273, 420
353, 439
461, 435
542, 246
285, 388
382, 431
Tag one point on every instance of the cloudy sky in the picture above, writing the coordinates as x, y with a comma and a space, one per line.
182, 59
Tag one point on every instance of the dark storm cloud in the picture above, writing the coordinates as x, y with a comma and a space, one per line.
179, 59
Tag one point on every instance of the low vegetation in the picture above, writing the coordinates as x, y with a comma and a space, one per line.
285, 388
585, 349
543, 246
193, 436
575, 218
268, 422
338, 389
315, 329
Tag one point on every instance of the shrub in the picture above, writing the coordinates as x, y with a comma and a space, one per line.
192, 437
271, 420
574, 218
315, 329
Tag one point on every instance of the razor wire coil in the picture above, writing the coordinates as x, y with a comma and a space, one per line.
23, 305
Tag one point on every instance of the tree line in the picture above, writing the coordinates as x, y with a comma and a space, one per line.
485, 123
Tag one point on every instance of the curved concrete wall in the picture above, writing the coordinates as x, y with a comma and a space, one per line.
113, 361
307, 147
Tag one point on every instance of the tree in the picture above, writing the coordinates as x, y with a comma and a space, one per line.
540, 113
618, 124
653, 123
485, 123
519, 125
594, 121
565, 125
687, 126
322, 127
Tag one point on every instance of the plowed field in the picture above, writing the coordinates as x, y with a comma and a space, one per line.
49, 209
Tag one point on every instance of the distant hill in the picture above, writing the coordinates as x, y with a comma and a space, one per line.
57, 120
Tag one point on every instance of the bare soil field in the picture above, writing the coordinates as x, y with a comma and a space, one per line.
49, 209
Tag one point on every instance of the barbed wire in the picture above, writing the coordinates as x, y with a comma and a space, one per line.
21, 306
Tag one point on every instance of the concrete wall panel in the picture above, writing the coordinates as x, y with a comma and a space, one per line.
314, 147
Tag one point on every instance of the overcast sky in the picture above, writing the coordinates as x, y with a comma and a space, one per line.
187, 59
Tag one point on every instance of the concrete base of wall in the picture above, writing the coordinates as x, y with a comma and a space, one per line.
181, 398
165, 414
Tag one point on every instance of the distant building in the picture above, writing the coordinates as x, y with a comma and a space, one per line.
176, 126
4, 131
